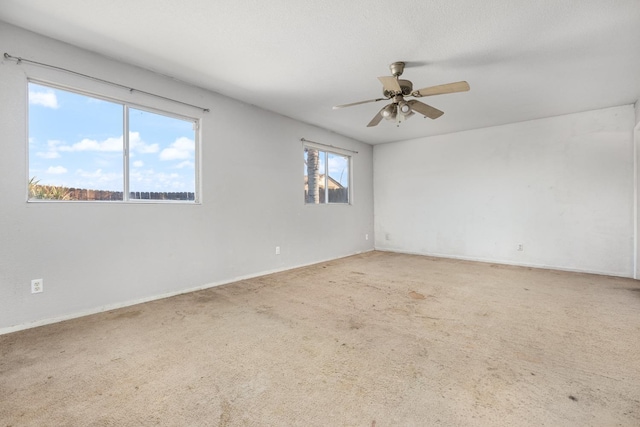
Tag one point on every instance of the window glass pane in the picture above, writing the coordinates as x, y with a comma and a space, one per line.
75, 146
77, 152
326, 177
314, 175
338, 182
161, 157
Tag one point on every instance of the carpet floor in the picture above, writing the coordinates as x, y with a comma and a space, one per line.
378, 339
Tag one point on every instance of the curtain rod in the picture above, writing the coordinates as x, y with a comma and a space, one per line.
130, 89
327, 145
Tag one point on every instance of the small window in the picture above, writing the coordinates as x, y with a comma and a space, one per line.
326, 176
83, 147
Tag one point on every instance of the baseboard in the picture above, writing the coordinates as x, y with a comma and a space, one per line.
109, 307
503, 262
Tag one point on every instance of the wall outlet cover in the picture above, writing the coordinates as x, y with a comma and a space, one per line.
37, 286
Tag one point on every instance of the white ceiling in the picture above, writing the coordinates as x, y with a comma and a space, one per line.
523, 59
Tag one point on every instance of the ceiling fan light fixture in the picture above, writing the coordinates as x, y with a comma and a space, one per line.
404, 108
389, 112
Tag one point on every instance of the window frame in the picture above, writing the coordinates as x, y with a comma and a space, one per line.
336, 151
126, 105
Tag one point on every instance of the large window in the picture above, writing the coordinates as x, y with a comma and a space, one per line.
326, 176
83, 147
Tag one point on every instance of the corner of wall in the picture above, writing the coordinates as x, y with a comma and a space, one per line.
636, 196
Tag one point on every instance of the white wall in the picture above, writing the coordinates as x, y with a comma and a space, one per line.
94, 256
563, 187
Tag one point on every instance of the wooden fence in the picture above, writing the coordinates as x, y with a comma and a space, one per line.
336, 195
48, 192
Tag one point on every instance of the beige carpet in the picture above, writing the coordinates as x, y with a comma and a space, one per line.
376, 339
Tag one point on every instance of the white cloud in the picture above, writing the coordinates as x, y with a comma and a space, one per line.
52, 149
181, 149
138, 164
57, 170
185, 164
86, 174
149, 180
48, 154
98, 179
109, 144
113, 144
137, 144
46, 99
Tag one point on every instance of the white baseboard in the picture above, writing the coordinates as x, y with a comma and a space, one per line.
109, 307
503, 262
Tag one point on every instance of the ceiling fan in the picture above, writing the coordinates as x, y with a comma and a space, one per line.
396, 89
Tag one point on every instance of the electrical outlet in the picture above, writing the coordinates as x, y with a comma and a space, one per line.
277, 250
366, 237
520, 247
37, 286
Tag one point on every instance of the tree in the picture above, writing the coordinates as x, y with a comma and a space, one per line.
313, 176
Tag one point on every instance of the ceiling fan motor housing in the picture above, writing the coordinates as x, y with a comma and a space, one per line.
397, 68
405, 85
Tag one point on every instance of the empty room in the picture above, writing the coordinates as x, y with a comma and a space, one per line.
330, 213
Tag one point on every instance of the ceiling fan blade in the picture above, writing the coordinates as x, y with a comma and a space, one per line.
442, 89
376, 119
390, 84
425, 110
358, 103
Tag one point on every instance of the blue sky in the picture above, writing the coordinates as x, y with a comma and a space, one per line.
76, 141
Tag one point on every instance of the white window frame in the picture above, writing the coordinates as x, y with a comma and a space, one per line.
196, 120
333, 150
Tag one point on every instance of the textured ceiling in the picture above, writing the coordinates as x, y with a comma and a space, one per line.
523, 59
